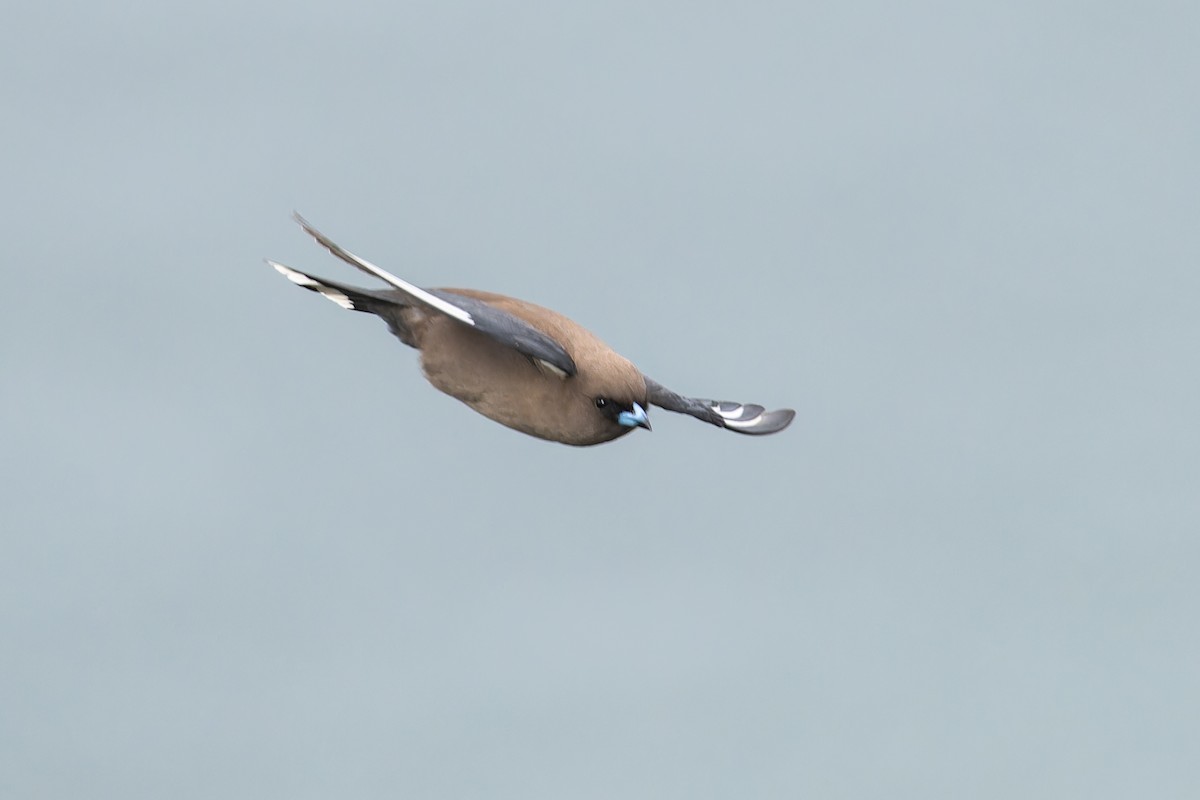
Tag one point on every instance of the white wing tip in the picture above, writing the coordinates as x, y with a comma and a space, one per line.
753, 418
300, 279
289, 273
361, 263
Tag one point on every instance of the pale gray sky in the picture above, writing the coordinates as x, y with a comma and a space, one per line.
247, 552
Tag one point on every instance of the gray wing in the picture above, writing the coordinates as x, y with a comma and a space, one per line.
737, 417
505, 328
512, 332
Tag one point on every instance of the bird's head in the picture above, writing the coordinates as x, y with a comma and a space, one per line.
610, 398
628, 414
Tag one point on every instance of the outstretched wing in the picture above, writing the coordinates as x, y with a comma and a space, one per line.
737, 417
505, 328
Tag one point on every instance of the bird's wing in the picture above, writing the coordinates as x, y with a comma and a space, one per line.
505, 328
737, 417
512, 331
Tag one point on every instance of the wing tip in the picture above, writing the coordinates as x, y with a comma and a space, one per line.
412, 290
776, 421
292, 275
759, 423
305, 281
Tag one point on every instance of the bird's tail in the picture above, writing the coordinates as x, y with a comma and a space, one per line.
345, 296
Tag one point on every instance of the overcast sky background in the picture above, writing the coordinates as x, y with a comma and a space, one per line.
248, 552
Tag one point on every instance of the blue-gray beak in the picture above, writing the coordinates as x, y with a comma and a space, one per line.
634, 419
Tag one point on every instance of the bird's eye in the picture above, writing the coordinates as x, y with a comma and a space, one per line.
601, 402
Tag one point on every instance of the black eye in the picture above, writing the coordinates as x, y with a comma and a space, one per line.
601, 402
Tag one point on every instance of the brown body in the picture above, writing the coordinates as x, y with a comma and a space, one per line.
511, 389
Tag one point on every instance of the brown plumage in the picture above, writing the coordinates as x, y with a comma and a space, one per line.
522, 365
514, 390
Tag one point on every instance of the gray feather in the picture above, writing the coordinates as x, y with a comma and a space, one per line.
511, 331
737, 417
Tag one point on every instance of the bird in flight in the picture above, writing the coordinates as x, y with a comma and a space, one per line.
522, 365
